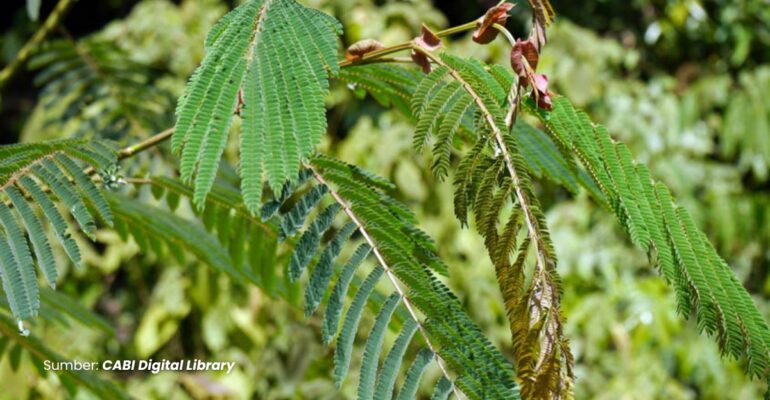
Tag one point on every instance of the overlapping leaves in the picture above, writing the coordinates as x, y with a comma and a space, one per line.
349, 206
703, 282
90, 88
464, 100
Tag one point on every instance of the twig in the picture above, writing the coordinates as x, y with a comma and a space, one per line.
406, 45
29, 48
151, 141
138, 181
514, 93
89, 59
378, 60
134, 149
505, 33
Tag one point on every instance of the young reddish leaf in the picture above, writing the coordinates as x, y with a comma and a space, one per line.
541, 82
543, 11
358, 49
421, 60
524, 51
485, 32
543, 16
544, 102
428, 41
540, 91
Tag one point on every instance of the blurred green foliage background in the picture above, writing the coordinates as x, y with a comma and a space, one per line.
683, 82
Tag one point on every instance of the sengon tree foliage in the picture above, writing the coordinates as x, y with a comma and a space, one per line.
268, 64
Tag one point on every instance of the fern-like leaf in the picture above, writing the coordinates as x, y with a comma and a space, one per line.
86, 186
52, 214
50, 174
24, 170
334, 306
18, 285
34, 227
387, 378
373, 347
703, 282
405, 256
409, 390
79, 78
323, 270
494, 173
151, 227
228, 228
352, 317
442, 390
408, 90
389, 86
310, 240
280, 55
296, 217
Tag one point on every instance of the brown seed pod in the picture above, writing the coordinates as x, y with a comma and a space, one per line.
357, 50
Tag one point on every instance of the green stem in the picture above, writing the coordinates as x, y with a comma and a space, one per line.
407, 45
145, 144
506, 33
457, 29
31, 46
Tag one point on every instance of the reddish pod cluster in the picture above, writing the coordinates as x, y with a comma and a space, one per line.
524, 59
524, 54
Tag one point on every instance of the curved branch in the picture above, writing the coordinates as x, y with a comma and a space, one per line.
529, 216
505, 33
544, 299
